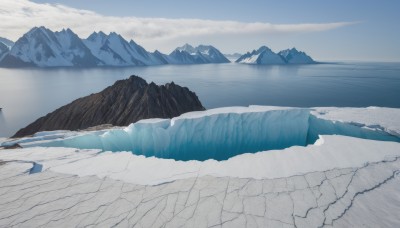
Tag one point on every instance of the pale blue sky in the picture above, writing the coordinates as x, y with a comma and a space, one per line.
374, 36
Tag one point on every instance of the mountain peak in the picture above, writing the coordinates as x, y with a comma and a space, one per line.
114, 34
67, 31
188, 48
95, 34
199, 54
44, 48
101, 33
263, 48
294, 56
151, 101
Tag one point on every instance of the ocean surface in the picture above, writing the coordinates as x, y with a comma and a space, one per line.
27, 94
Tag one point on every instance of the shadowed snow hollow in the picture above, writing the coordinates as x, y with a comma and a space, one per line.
217, 134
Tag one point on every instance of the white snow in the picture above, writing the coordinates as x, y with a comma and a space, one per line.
7, 42
199, 54
263, 56
387, 119
266, 56
114, 50
45, 48
251, 60
338, 181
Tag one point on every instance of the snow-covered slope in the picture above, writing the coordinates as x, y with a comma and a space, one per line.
74, 50
7, 42
41, 47
188, 54
265, 56
212, 54
188, 48
262, 56
293, 56
114, 50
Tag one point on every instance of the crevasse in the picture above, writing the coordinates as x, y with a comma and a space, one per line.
218, 136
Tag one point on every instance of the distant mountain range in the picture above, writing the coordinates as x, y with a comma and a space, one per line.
265, 56
233, 57
41, 47
44, 48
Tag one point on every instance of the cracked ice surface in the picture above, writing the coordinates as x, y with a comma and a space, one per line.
339, 181
322, 198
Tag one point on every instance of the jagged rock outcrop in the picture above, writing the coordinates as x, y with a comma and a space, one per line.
125, 102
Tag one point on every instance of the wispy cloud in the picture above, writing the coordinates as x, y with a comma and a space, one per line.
18, 16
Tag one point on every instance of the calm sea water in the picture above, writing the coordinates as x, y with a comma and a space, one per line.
26, 94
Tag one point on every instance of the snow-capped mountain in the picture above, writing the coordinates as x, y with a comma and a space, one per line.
44, 48
293, 56
188, 48
7, 42
184, 57
188, 54
265, 56
114, 50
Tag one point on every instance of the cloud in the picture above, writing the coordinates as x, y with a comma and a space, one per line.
18, 16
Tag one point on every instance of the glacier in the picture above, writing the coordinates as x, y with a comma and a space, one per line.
339, 181
217, 134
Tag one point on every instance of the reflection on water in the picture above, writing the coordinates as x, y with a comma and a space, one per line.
26, 94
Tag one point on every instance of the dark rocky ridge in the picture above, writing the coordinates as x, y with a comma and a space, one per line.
121, 104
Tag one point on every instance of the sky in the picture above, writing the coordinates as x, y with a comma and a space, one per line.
365, 30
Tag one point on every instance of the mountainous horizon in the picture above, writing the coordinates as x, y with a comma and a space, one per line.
41, 47
265, 56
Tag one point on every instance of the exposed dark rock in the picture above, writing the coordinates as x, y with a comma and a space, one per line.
121, 104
